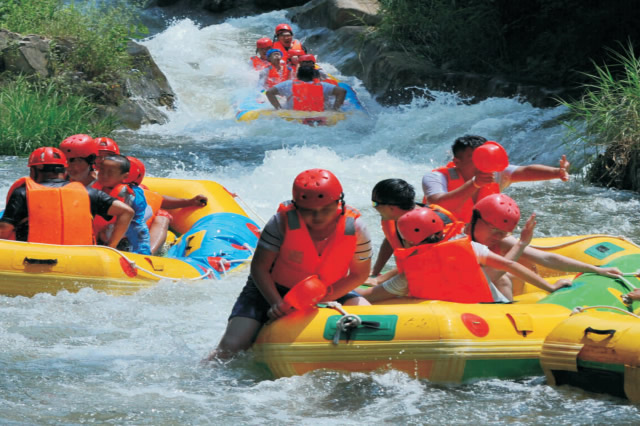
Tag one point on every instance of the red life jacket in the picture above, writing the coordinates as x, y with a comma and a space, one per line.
120, 192
298, 257
390, 230
447, 270
454, 181
295, 45
274, 76
307, 96
57, 215
259, 63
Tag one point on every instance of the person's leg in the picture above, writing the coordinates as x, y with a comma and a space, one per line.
238, 336
158, 233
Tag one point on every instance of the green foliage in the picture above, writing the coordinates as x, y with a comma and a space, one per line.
98, 33
545, 41
41, 114
608, 114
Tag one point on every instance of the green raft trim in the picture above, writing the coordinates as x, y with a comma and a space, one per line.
603, 250
501, 368
385, 332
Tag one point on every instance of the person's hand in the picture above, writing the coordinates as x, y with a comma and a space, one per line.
564, 168
482, 179
372, 281
199, 201
278, 310
561, 284
611, 272
527, 232
632, 296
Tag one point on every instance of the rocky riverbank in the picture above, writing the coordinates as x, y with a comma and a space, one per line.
137, 97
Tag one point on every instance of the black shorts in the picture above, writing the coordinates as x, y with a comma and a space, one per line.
251, 303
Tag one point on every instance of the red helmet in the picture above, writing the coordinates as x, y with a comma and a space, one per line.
316, 188
136, 171
500, 211
419, 224
79, 146
107, 144
307, 58
283, 27
47, 155
295, 52
263, 43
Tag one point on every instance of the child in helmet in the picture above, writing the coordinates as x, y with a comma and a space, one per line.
445, 266
314, 234
259, 61
81, 152
494, 218
113, 179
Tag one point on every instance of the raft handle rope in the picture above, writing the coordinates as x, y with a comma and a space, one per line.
209, 273
588, 237
225, 262
348, 322
580, 309
248, 206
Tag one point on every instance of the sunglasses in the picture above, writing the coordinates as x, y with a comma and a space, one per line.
380, 203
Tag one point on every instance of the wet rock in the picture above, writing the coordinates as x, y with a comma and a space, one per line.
335, 14
28, 55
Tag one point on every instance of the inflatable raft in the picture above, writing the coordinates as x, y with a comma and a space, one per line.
255, 107
213, 241
444, 341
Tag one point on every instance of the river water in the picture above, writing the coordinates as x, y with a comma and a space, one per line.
91, 358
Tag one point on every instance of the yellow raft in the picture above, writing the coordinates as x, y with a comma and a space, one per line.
444, 341
215, 239
597, 350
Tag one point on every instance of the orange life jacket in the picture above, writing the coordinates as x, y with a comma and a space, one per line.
295, 45
120, 192
455, 181
390, 230
57, 215
274, 76
298, 257
447, 270
307, 96
154, 201
259, 63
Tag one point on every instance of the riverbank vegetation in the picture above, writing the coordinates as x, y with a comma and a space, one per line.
607, 118
89, 43
547, 42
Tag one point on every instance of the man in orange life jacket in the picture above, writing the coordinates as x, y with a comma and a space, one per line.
260, 62
460, 184
306, 93
46, 208
392, 198
81, 152
276, 72
315, 234
494, 219
439, 266
283, 41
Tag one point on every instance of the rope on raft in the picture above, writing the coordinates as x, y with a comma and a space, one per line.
581, 309
588, 237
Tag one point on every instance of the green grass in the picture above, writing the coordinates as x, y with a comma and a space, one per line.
40, 114
99, 33
607, 116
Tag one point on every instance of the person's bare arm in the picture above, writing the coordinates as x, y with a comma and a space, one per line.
340, 94
535, 172
384, 254
6, 229
271, 96
498, 262
169, 203
123, 214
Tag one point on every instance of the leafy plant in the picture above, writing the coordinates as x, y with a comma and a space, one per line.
34, 114
607, 116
